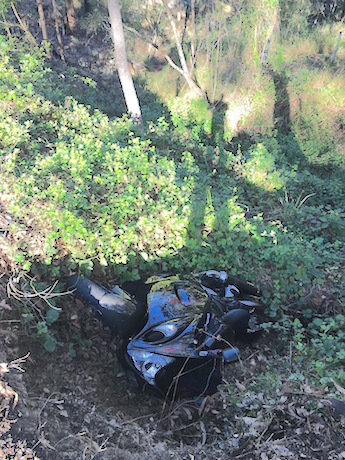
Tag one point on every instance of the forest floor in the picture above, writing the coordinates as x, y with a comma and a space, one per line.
82, 407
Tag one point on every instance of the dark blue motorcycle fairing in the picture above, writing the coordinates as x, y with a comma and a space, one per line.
172, 298
165, 305
118, 311
182, 306
182, 345
185, 378
182, 377
178, 330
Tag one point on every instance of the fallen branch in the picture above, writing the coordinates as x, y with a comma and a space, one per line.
15, 364
22, 294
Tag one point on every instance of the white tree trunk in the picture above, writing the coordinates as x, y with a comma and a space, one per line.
185, 72
125, 76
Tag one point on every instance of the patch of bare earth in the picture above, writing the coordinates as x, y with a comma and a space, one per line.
82, 407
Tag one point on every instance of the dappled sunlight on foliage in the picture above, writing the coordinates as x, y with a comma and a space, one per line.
83, 190
246, 177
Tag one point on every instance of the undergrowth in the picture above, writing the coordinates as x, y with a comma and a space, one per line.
82, 190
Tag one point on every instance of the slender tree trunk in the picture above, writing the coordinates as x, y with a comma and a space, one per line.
191, 83
215, 72
178, 8
6, 26
58, 35
23, 25
43, 24
71, 17
125, 76
87, 6
42, 20
334, 55
192, 38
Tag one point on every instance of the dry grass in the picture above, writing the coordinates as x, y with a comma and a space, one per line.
321, 43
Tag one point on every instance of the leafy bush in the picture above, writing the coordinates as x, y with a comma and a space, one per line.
81, 189
191, 118
320, 348
92, 160
259, 168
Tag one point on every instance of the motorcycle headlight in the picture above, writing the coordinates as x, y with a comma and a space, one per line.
148, 364
167, 329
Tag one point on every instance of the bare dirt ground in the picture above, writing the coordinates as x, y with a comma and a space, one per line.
82, 407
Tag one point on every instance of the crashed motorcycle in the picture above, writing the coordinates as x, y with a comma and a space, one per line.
177, 331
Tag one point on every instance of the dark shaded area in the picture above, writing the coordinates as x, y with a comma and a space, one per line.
327, 11
218, 121
154, 64
281, 113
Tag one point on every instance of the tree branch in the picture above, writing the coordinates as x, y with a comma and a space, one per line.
173, 65
23, 25
183, 70
146, 39
186, 73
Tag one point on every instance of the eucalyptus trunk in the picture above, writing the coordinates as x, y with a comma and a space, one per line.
71, 17
57, 30
184, 68
125, 76
42, 20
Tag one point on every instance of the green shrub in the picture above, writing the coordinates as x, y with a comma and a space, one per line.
259, 168
192, 119
320, 348
82, 189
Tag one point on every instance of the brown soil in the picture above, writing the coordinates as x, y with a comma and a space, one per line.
82, 407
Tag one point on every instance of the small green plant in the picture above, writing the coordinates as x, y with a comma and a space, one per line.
192, 119
78, 342
38, 305
46, 336
319, 348
260, 169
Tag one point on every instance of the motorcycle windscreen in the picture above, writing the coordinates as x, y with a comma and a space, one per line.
171, 299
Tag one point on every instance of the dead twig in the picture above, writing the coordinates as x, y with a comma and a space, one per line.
40, 426
22, 294
338, 387
15, 364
